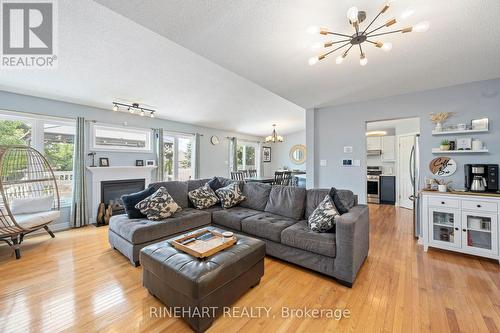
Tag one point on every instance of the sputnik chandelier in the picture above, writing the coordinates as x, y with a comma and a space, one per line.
361, 36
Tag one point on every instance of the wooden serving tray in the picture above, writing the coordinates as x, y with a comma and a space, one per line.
203, 248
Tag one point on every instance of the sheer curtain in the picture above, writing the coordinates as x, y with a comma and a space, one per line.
79, 204
233, 158
160, 157
197, 156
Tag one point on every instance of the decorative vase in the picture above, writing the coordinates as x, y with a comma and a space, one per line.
442, 188
439, 127
445, 147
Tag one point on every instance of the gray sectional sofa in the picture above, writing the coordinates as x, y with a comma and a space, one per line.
275, 214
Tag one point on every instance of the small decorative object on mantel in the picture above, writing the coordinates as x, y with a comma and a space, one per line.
139, 163
445, 144
439, 118
480, 124
103, 162
266, 154
442, 185
443, 166
93, 159
150, 163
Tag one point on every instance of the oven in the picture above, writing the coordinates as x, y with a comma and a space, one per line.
373, 189
373, 184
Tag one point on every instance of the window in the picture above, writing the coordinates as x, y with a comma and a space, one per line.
54, 138
178, 154
115, 138
247, 155
59, 144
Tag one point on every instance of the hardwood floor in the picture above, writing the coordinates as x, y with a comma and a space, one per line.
75, 282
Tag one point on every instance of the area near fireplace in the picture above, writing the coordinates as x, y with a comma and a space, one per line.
115, 181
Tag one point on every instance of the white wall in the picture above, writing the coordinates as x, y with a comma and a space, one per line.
280, 153
332, 128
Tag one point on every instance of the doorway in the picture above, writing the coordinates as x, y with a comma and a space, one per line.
389, 146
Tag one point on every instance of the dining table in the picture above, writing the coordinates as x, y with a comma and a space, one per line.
265, 180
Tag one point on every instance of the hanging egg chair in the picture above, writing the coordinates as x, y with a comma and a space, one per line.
29, 194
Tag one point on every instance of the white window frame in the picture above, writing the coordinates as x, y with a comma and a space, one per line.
256, 146
175, 163
95, 147
37, 127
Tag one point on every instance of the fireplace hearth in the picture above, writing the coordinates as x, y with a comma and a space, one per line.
111, 192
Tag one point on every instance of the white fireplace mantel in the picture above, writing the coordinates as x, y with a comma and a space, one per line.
100, 174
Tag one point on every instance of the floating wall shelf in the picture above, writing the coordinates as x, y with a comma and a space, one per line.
459, 132
439, 151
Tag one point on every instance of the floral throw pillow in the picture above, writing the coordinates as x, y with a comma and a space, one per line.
158, 206
230, 195
323, 217
203, 197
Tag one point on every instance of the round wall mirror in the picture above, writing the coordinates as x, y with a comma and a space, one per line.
298, 154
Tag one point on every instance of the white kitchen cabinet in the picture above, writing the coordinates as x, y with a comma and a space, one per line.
461, 223
374, 143
388, 148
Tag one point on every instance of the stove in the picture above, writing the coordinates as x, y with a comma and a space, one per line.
373, 183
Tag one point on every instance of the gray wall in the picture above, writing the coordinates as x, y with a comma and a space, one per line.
213, 159
330, 129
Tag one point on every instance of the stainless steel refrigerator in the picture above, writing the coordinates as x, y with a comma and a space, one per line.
415, 181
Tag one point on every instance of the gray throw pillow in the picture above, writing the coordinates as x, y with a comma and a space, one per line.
158, 206
323, 217
203, 197
230, 195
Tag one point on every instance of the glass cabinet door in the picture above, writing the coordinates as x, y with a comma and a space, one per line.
445, 227
480, 232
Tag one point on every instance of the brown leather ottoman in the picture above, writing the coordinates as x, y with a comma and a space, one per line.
200, 289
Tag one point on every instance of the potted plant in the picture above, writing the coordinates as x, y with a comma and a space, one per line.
445, 144
442, 185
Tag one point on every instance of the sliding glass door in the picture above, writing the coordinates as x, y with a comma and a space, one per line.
178, 151
247, 155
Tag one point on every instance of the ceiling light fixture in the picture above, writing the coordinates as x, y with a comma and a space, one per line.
274, 137
376, 133
132, 108
360, 36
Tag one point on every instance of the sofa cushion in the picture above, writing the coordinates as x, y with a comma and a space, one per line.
231, 218
315, 196
266, 225
214, 184
193, 184
230, 195
337, 201
203, 197
322, 219
158, 206
178, 191
130, 200
257, 195
287, 201
300, 236
138, 231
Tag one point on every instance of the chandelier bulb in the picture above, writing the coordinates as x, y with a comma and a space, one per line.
387, 46
363, 60
313, 61
115, 108
421, 27
152, 115
352, 15
313, 30
143, 113
130, 110
339, 60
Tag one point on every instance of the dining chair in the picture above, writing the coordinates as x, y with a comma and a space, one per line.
278, 178
252, 173
287, 178
237, 175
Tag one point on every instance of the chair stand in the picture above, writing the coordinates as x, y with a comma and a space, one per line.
49, 231
15, 245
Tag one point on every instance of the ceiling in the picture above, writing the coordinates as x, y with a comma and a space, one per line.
104, 56
266, 42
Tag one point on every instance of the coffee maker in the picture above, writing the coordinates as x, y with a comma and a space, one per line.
481, 177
